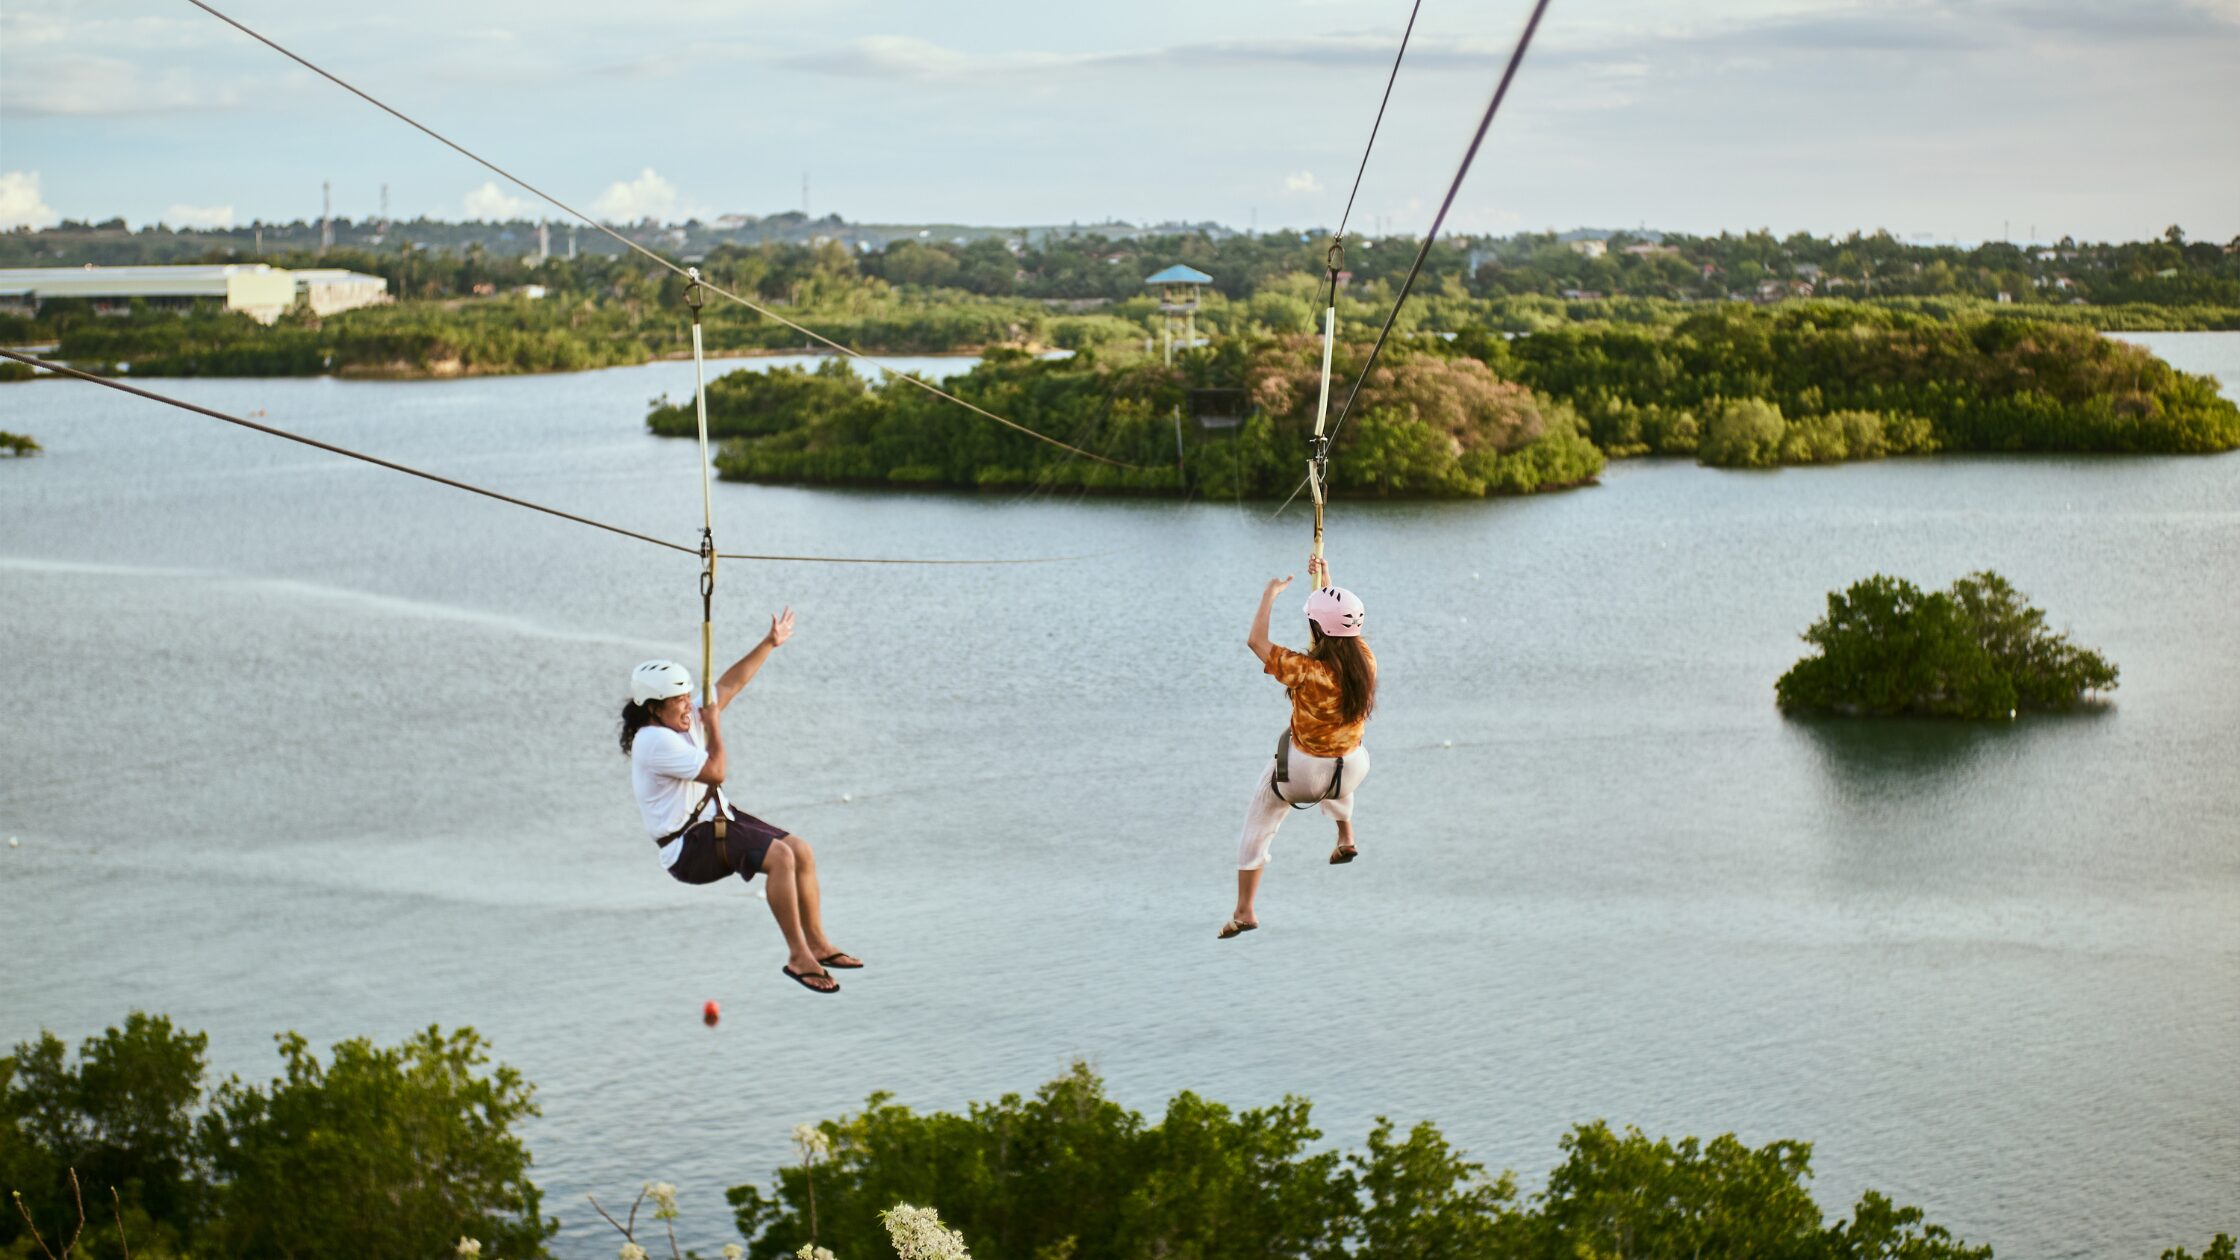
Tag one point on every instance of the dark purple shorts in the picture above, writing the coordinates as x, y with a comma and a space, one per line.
745, 840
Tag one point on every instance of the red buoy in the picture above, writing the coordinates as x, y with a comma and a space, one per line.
710, 1013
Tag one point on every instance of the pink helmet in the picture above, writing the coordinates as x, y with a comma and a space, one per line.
1338, 611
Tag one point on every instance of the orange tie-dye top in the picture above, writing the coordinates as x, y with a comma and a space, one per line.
1318, 724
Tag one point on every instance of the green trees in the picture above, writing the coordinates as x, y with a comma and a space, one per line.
16, 444
1070, 1173
1975, 651
121, 1116
383, 1151
1820, 381
1426, 424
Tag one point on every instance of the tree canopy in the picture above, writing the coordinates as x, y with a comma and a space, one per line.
1977, 650
1068, 1172
380, 1151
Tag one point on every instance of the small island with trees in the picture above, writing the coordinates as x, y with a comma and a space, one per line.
1479, 412
1978, 651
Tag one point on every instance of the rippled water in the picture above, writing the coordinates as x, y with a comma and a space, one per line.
299, 744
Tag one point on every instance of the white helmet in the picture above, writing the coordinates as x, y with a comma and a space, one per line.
1338, 611
659, 680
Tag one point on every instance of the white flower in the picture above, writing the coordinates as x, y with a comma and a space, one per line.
632, 1251
469, 1247
733, 1251
811, 1251
918, 1234
664, 1198
811, 1139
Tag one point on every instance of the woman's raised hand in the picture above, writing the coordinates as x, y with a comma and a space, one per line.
1317, 571
1275, 587
781, 627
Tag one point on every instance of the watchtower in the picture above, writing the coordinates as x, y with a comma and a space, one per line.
1178, 288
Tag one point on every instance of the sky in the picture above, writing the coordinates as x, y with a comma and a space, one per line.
1938, 120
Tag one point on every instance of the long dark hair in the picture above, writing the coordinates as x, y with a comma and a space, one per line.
635, 717
1357, 679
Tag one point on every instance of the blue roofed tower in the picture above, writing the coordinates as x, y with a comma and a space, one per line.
1178, 288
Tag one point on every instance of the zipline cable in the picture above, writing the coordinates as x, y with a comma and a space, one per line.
1469, 155
62, 369
626, 242
1394, 77
1318, 450
1462, 172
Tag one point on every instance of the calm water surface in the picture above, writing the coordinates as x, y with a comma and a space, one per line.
297, 744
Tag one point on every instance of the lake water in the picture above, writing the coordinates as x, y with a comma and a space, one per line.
294, 743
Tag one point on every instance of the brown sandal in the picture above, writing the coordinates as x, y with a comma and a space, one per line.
1343, 854
1234, 928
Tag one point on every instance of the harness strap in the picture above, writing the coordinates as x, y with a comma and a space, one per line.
1283, 775
721, 821
692, 819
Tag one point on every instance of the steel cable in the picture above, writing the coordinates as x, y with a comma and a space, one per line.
62, 369
1469, 155
626, 242
1391, 79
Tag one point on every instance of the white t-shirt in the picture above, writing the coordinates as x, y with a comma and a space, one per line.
663, 764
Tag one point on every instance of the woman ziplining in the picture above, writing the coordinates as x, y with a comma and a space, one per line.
676, 755
1319, 759
1333, 687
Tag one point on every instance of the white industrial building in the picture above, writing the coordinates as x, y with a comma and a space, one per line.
325, 290
262, 292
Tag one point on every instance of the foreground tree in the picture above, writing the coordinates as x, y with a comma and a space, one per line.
384, 1151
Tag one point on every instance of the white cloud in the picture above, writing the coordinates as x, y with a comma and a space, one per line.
20, 202
907, 57
647, 197
1301, 182
493, 204
180, 215
81, 85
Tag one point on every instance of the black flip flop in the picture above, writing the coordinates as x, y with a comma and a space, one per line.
830, 960
803, 978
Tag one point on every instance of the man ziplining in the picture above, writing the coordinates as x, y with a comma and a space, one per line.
677, 754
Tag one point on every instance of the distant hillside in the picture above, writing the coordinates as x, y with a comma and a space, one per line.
113, 243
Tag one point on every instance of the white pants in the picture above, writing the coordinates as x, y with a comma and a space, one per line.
1310, 778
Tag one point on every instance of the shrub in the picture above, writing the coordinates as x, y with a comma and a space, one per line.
1976, 651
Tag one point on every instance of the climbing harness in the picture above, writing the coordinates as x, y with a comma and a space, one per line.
694, 300
1318, 446
1283, 775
